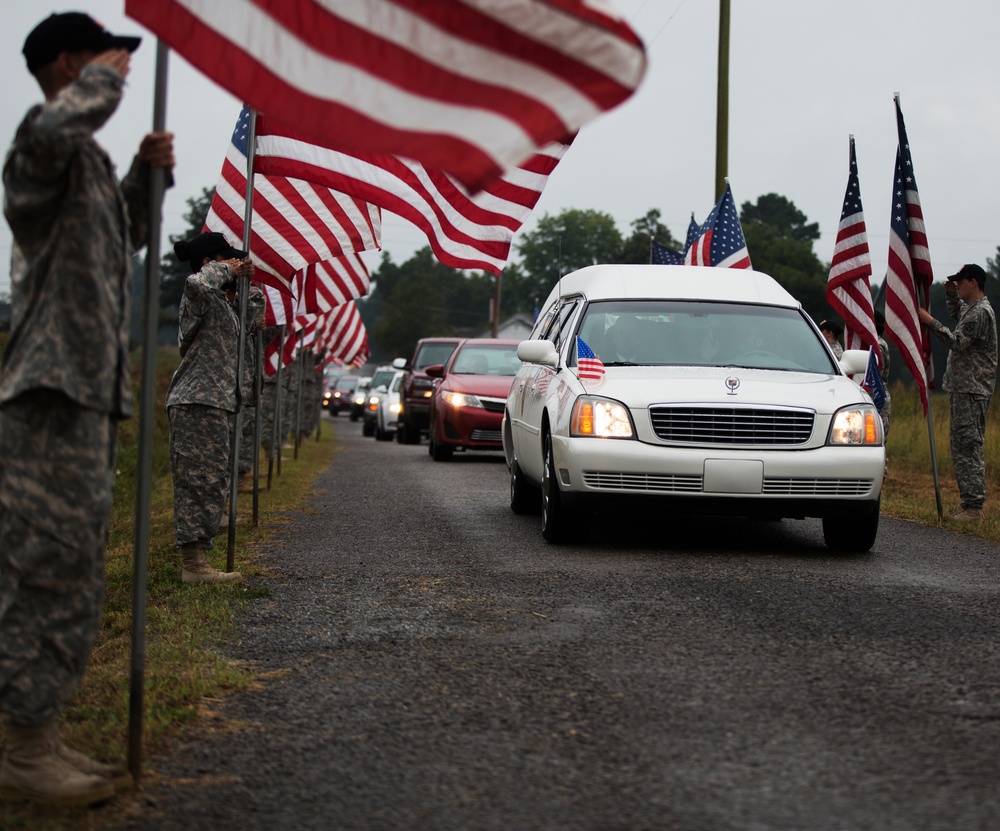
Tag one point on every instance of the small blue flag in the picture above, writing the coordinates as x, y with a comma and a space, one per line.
873, 381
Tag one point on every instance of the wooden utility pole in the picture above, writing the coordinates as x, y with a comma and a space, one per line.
722, 104
495, 309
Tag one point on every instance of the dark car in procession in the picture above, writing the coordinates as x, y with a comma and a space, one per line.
467, 405
418, 387
341, 394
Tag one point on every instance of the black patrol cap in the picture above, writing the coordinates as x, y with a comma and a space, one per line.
970, 271
207, 245
70, 32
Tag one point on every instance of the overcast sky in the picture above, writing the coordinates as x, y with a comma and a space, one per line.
803, 77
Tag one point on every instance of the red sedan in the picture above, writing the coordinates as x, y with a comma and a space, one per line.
470, 395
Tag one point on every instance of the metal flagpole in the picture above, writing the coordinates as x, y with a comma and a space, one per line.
300, 366
244, 296
258, 397
276, 419
930, 435
146, 418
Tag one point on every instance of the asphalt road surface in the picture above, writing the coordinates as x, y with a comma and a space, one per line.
427, 661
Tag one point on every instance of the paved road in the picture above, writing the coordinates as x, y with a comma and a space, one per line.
428, 662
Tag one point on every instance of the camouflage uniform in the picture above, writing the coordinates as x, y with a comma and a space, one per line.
64, 383
255, 316
310, 412
201, 403
290, 396
269, 394
969, 378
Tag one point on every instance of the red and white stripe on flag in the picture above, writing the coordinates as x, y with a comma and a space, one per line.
848, 290
464, 230
294, 223
383, 77
909, 273
322, 286
344, 337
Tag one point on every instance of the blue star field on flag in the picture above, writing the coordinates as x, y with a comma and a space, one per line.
661, 255
692, 234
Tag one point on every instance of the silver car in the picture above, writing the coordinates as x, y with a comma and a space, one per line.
698, 390
387, 415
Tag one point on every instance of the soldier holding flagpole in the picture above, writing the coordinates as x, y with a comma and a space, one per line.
969, 379
64, 384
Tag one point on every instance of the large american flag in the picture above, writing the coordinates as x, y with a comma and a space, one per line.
464, 230
468, 86
295, 223
909, 274
848, 290
720, 241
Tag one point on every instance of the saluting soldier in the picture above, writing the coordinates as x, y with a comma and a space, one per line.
204, 395
64, 384
969, 379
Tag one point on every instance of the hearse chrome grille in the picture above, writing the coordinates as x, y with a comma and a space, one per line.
817, 487
642, 482
732, 425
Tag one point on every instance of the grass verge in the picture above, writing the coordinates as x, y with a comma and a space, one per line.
909, 491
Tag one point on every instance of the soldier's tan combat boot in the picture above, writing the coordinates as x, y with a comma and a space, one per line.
197, 569
967, 516
119, 778
33, 770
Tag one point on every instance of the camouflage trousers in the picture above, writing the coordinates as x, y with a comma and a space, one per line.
56, 475
268, 397
310, 409
885, 413
199, 462
248, 426
968, 431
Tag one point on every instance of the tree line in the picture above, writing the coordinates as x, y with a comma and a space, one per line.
423, 298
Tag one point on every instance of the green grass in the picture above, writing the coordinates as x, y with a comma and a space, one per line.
186, 627
910, 492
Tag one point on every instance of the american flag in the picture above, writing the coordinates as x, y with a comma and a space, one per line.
294, 223
467, 86
661, 255
321, 286
464, 230
720, 241
848, 290
693, 230
589, 366
343, 335
909, 275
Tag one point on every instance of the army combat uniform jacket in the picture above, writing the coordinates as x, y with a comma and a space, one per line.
74, 233
972, 347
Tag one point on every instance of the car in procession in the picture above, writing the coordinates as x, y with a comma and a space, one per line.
690, 389
340, 395
468, 402
360, 397
387, 414
414, 417
381, 378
